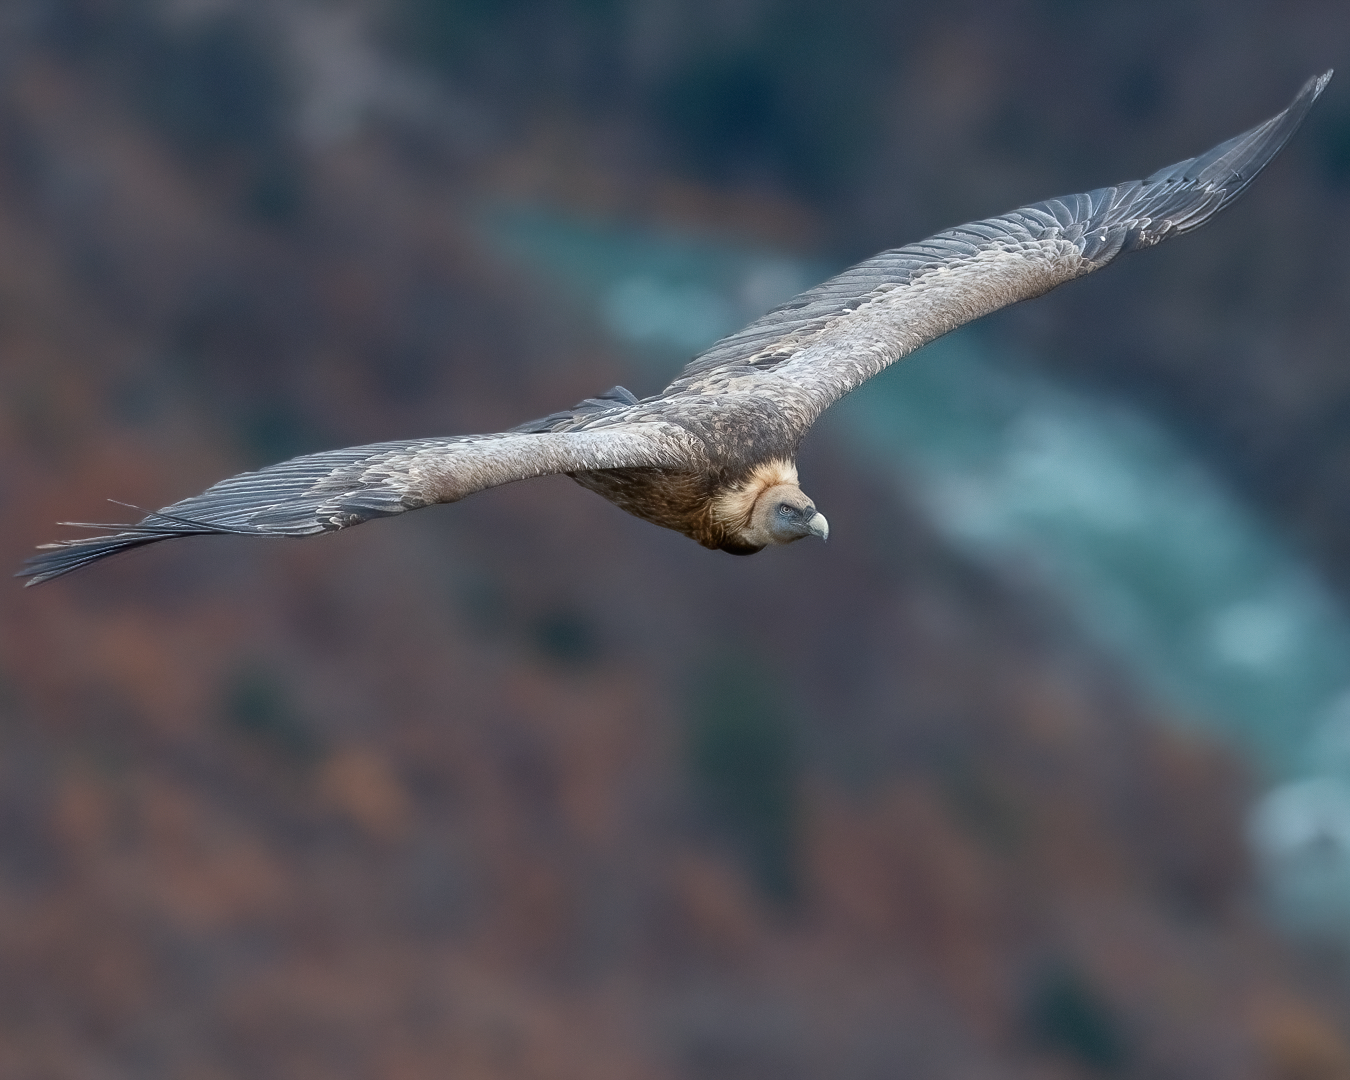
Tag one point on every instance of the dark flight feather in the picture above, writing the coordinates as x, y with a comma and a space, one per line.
695, 457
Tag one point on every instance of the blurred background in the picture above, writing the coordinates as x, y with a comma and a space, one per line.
1040, 769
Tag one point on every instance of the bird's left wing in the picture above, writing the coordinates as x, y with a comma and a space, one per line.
320, 493
817, 347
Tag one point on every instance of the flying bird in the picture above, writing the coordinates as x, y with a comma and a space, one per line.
713, 455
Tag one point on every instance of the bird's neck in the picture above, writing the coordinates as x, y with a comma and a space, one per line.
733, 505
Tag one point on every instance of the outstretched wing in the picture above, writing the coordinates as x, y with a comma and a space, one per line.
830, 339
321, 493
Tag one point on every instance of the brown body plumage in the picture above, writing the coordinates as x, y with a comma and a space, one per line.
718, 509
713, 455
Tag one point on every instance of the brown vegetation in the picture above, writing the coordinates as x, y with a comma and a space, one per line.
526, 788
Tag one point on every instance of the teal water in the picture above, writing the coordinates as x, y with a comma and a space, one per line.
1097, 502
1087, 497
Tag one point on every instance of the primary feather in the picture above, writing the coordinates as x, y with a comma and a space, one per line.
699, 456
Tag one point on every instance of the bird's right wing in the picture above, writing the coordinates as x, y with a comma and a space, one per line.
324, 492
812, 350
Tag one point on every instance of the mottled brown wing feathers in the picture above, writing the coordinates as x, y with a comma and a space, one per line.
752, 395
831, 338
612, 404
320, 493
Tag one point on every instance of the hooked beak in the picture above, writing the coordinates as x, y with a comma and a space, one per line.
819, 526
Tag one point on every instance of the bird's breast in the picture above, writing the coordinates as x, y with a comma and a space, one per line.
673, 499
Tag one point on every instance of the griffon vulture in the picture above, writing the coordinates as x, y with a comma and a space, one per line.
714, 454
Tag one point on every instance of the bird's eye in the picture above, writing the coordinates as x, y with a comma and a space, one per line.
785, 510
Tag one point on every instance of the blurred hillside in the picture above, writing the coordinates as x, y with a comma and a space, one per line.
524, 787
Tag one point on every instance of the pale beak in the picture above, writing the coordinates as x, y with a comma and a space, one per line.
819, 526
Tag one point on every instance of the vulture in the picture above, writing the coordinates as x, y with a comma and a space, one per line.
713, 455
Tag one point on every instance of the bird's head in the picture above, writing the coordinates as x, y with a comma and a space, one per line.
783, 513
766, 507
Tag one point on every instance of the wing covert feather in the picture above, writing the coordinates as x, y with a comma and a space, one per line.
753, 394
319, 493
833, 337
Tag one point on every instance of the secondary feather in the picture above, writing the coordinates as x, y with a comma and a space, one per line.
714, 454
